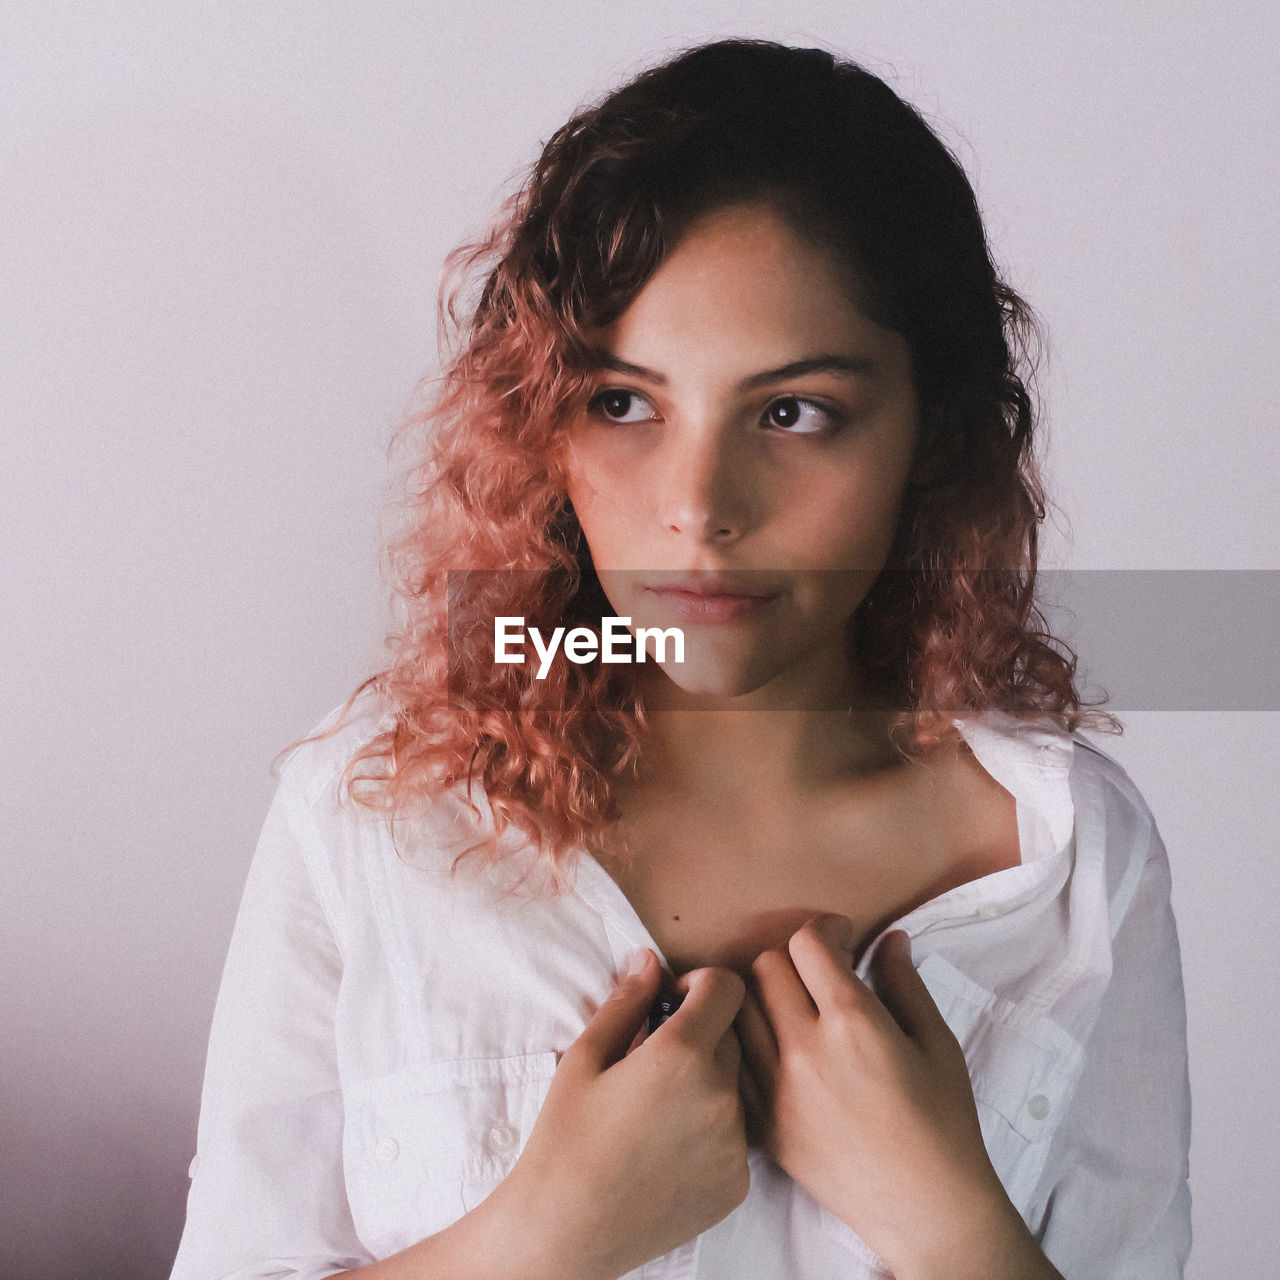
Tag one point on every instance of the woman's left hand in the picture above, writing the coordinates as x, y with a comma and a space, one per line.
866, 1102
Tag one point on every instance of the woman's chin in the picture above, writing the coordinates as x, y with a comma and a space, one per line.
711, 684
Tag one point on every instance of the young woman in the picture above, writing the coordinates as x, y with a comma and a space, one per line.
740, 366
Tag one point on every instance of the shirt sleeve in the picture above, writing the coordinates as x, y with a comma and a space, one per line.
267, 1198
1118, 1203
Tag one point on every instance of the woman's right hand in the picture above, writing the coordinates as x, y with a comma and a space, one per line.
633, 1153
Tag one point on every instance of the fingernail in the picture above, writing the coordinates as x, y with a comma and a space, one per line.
634, 963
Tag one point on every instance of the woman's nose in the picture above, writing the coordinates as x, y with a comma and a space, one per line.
708, 494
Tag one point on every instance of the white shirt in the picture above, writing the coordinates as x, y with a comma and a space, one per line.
384, 1035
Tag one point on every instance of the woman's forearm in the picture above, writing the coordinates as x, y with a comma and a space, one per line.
994, 1245
483, 1245
489, 1243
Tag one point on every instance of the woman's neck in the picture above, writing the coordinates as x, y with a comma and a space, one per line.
819, 731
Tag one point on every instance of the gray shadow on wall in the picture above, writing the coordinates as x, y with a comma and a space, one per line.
180, 259
91, 1193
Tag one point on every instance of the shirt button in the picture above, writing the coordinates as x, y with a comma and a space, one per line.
500, 1139
386, 1150
988, 911
1038, 1106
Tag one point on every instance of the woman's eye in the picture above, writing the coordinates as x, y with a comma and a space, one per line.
798, 417
622, 406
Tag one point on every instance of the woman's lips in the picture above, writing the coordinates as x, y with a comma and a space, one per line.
711, 606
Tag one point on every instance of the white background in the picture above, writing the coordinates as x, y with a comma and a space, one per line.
222, 227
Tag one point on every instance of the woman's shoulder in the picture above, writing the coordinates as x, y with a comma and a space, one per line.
1120, 823
1106, 765
1042, 744
314, 768
327, 784
1076, 787
1121, 808
1088, 801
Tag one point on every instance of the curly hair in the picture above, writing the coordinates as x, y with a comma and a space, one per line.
951, 624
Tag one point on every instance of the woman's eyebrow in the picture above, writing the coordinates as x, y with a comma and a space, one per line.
854, 366
603, 360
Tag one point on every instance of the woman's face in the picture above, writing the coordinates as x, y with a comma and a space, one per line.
739, 470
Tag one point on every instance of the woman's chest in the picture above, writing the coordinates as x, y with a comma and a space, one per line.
718, 887
458, 999
487, 991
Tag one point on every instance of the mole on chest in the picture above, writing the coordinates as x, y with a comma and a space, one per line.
720, 892
697, 925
